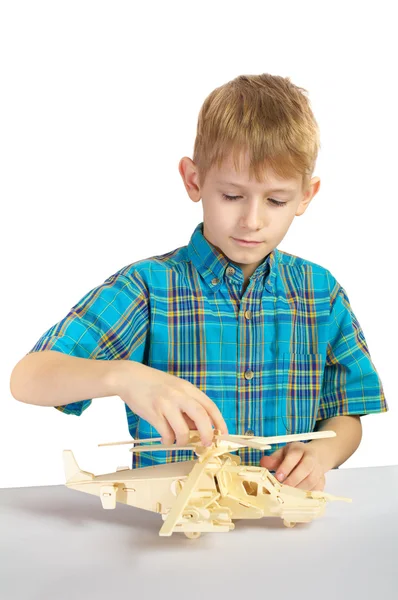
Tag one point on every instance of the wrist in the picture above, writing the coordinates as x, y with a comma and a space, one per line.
333, 452
116, 377
325, 451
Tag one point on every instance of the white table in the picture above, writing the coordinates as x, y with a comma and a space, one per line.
60, 544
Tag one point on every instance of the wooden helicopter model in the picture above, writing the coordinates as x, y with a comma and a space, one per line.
205, 494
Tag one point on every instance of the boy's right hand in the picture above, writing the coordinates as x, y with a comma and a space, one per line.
170, 404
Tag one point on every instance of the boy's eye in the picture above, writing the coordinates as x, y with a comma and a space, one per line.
272, 200
276, 202
231, 197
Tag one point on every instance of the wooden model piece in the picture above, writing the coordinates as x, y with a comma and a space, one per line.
208, 493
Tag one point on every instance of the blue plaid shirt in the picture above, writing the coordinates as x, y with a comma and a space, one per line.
276, 359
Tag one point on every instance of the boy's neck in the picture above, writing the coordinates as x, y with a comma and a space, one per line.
245, 284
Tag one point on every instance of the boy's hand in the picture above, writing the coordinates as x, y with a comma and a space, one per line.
296, 464
170, 404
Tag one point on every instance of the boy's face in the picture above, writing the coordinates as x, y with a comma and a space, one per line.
260, 213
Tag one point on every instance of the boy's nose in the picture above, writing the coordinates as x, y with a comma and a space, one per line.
252, 219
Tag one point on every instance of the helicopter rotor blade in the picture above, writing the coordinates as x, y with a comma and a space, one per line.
157, 447
256, 445
193, 436
246, 441
251, 441
132, 442
297, 437
276, 439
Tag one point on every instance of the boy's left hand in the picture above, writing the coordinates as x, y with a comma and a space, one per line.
298, 465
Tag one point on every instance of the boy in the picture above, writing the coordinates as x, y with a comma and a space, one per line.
227, 331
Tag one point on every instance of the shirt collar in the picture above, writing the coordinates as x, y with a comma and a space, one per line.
213, 265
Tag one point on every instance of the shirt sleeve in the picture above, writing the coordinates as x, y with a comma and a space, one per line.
351, 384
109, 323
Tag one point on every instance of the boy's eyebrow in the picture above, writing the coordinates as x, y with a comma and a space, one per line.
278, 190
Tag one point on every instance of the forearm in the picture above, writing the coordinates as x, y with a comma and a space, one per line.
333, 452
50, 378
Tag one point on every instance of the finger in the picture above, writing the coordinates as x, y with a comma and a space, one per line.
189, 422
211, 408
300, 475
179, 426
273, 461
310, 482
202, 421
293, 454
163, 428
321, 483
308, 467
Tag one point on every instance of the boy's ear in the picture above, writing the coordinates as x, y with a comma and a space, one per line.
188, 172
313, 188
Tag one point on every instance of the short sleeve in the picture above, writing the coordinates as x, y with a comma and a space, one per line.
351, 384
109, 323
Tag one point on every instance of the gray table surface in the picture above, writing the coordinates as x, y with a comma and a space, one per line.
57, 543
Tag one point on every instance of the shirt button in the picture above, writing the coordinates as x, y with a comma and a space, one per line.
230, 271
214, 281
248, 314
249, 374
249, 432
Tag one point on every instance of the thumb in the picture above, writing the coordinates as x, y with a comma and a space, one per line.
272, 462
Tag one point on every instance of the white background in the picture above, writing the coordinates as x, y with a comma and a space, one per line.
99, 102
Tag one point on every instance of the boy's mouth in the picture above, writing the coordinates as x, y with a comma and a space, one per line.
246, 242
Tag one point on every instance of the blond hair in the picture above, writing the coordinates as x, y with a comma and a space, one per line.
265, 115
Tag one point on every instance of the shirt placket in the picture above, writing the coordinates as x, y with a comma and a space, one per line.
245, 368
